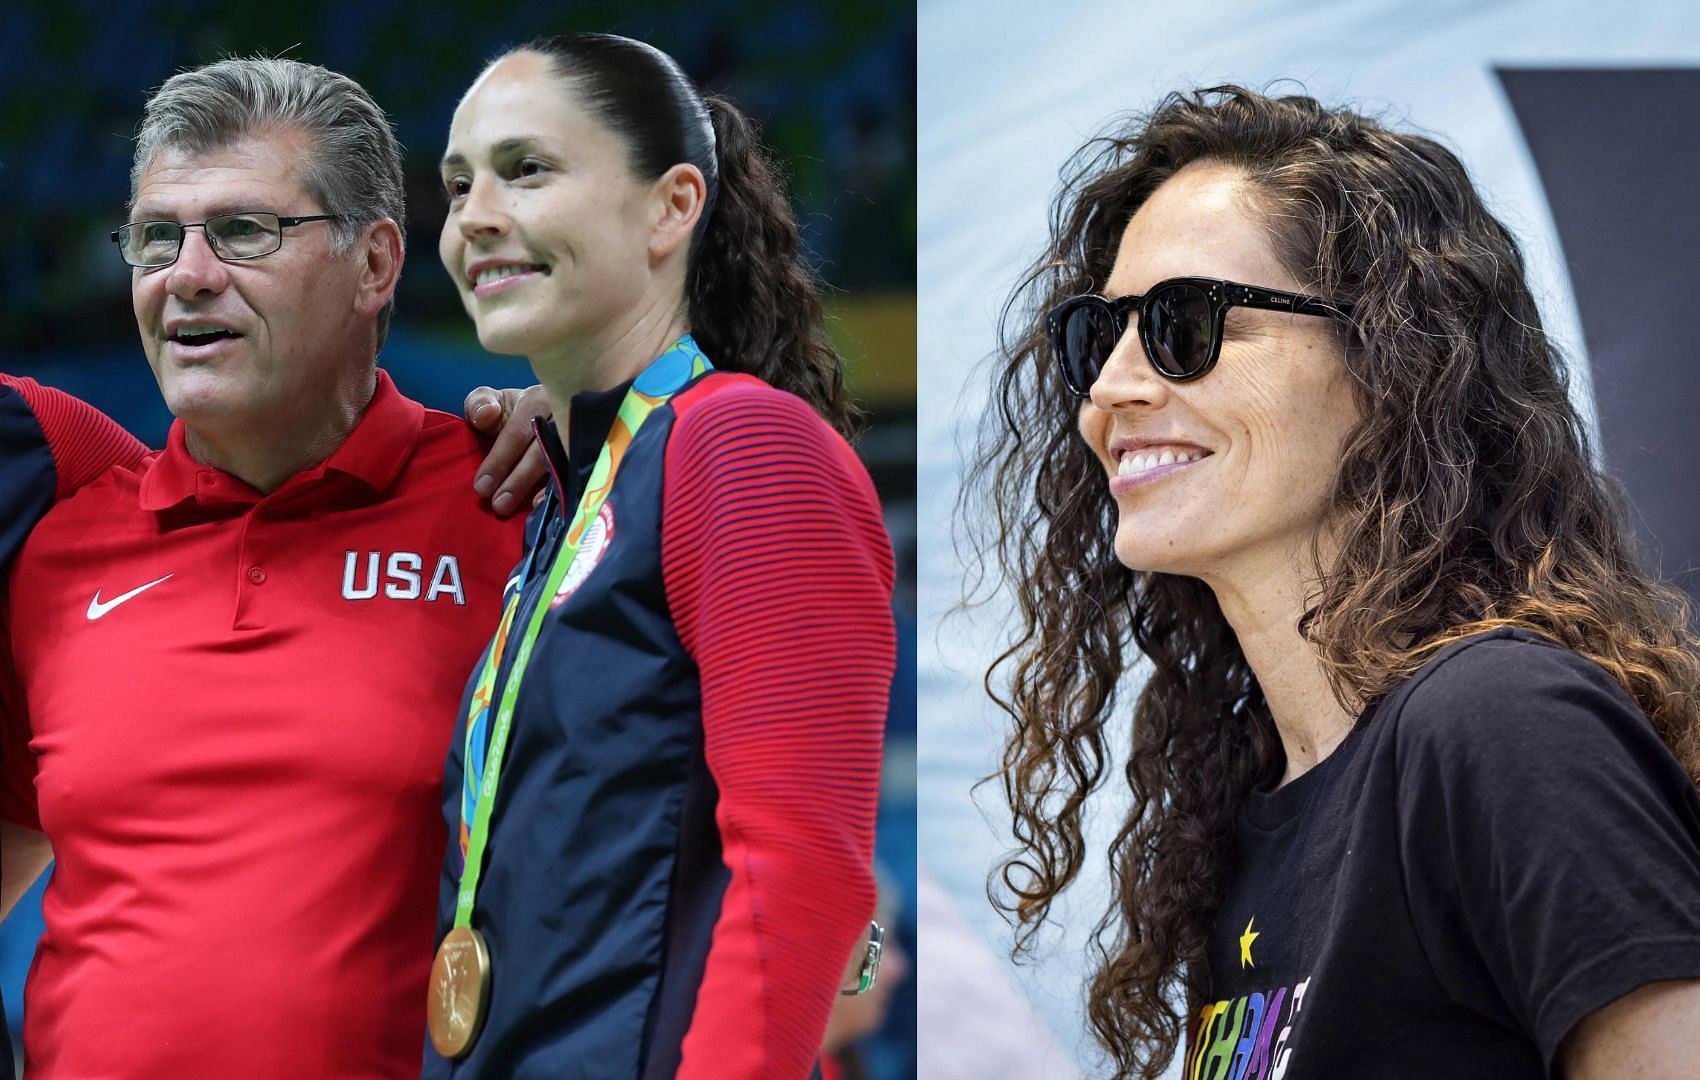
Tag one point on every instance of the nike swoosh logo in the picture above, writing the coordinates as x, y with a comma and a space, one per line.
97, 609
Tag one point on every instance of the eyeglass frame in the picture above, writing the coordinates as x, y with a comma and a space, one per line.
1222, 295
283, 223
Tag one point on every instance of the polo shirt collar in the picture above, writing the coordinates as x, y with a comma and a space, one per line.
373, 456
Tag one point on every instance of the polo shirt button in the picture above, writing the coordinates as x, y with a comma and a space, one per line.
256, 575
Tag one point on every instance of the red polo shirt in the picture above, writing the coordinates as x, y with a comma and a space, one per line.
236, 710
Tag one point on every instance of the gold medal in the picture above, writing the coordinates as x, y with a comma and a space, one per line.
460, 991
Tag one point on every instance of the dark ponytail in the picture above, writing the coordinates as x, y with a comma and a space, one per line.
751, 299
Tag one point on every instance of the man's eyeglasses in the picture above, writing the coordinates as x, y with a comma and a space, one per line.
1180, 324
232, 237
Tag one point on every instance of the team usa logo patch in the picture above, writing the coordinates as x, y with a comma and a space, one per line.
590, 551
404, 577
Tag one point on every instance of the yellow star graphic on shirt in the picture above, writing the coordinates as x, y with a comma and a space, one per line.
1245, 943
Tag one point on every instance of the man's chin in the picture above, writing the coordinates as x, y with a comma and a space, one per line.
197, 399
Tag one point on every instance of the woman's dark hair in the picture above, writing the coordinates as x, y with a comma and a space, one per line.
1466, 499
753, 306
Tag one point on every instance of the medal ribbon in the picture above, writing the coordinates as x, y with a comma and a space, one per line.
665, 376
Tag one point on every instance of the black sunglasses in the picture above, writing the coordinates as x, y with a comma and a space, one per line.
1180, 325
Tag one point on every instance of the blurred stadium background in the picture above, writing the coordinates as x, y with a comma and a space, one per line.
833, 84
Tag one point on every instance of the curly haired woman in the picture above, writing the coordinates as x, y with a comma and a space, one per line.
1412, 769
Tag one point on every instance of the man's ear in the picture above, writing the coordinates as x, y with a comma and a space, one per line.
678, 201
380, 252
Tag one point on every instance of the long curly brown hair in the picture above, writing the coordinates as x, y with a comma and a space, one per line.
1467, 498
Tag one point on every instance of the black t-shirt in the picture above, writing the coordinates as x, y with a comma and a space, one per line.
1499, 848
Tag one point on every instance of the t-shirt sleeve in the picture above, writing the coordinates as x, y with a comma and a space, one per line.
1551, 842
779, 575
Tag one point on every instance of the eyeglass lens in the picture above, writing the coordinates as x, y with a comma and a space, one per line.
233, 236
1089, 333
1178, 334
1179, 324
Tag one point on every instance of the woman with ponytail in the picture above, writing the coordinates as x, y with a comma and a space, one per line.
661, 792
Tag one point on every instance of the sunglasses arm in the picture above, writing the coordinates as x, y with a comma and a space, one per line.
1275, 300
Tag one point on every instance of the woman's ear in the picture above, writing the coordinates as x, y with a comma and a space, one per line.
679, 197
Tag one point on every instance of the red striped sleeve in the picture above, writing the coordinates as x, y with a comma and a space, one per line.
85, 441
779, 574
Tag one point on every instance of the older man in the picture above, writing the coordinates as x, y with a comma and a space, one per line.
237, 661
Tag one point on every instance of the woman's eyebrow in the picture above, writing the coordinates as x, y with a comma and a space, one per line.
507, 146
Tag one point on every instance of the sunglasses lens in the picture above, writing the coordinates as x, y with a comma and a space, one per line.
1086, 334
1179, 330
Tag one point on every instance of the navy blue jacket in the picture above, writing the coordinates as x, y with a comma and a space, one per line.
604, 876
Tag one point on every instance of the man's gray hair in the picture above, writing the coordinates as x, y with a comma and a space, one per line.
354, 170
